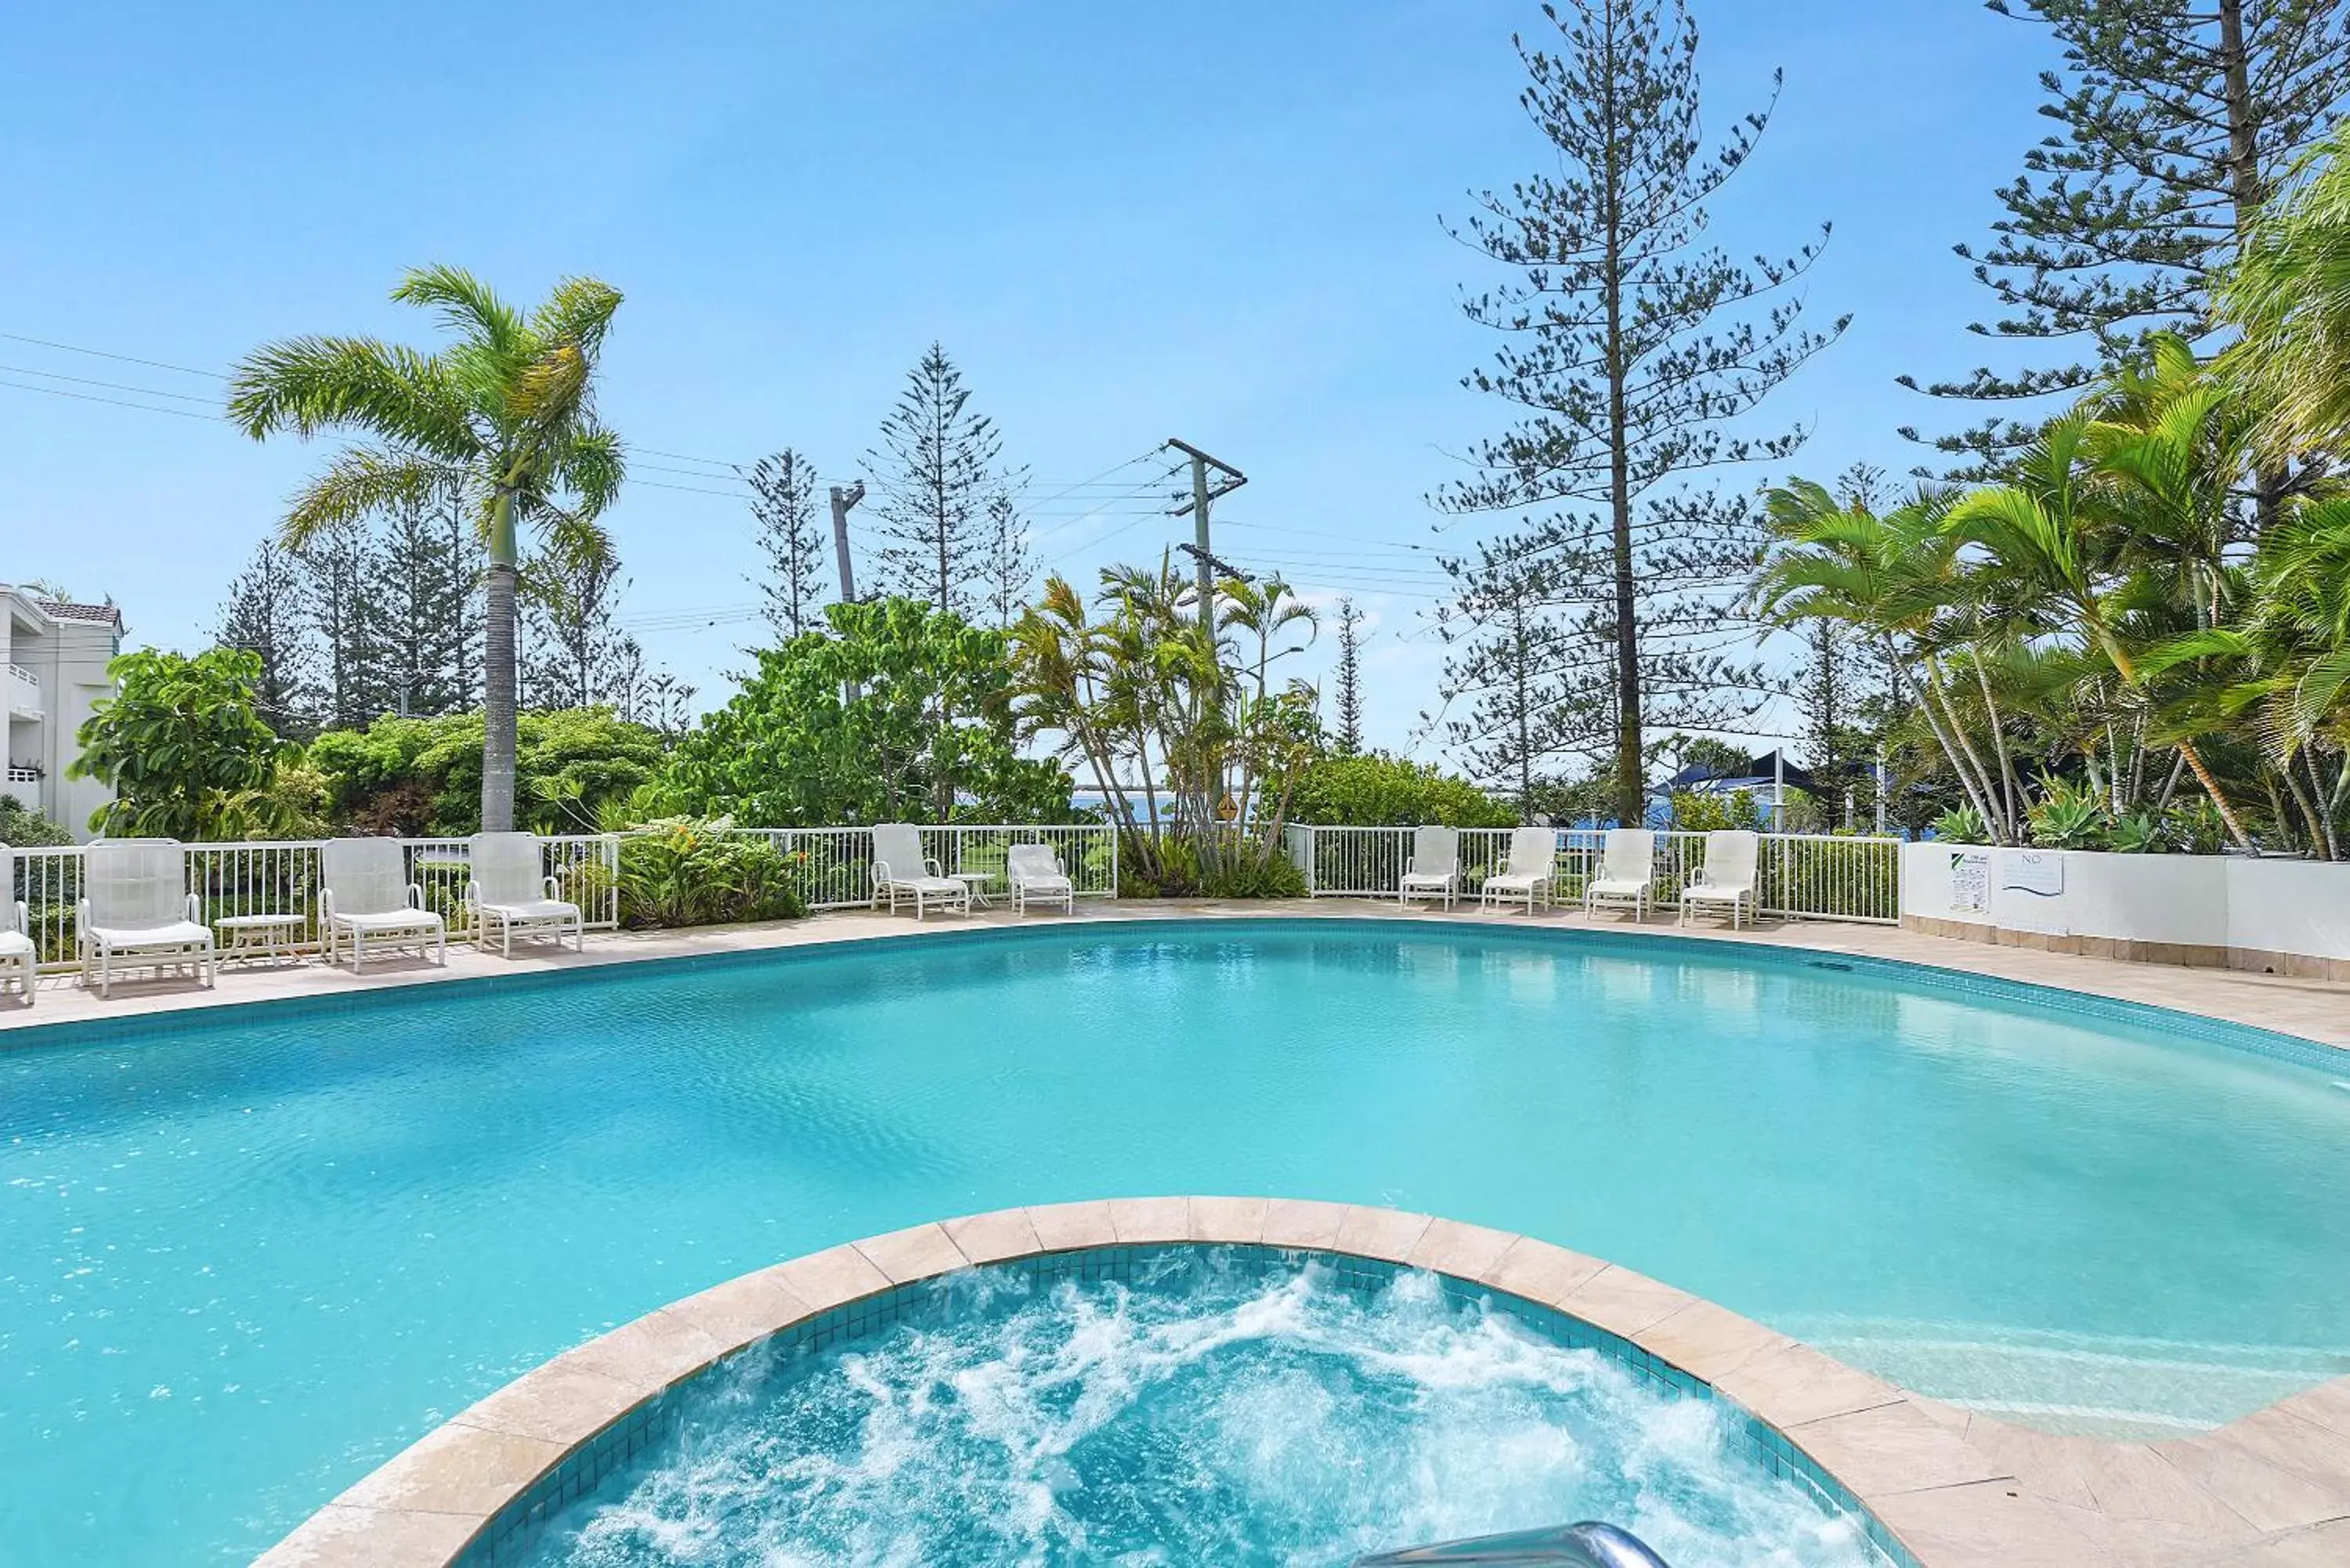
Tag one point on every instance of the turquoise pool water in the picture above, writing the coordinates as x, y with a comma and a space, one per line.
243, 1260
1209, 1414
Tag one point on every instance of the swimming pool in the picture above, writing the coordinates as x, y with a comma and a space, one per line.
245, 1258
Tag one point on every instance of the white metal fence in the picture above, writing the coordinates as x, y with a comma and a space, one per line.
270, 879
832, 868
1803, 878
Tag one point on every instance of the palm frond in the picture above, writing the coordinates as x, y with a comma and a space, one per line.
360, 482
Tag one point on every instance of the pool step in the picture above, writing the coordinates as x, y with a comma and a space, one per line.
1589, 1545
2111, 1386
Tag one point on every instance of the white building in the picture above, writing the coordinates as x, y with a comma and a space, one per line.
55, 655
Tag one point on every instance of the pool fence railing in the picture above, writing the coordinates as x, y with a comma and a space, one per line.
1803, 878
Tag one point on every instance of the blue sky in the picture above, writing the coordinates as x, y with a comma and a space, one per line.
1219, 222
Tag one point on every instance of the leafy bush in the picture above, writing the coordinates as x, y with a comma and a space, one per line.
1381, 790
683, 872
185, 751
928, 737
21, 828
1706, 811
1180, 876
423, 777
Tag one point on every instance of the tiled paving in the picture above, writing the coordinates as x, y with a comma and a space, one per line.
1959, 1491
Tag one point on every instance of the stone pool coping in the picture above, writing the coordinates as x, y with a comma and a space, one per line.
2270, 1491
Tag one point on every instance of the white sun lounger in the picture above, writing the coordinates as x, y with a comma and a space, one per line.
1730, 874
365, 895
1628, 859
899, 868
1434, 869
16, 954
136, 911
1532, 871
1034, 873
513, 896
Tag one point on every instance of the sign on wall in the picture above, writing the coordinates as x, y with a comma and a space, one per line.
2036, 871
1969, 881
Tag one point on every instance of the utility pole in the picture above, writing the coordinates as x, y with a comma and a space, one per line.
842, 499
1228, 479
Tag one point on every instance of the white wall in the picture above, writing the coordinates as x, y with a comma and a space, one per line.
2298, 907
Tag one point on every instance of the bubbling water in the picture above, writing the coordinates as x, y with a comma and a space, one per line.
1238, 1419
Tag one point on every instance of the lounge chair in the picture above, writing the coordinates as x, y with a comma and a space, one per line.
16, 930
135, 907
365, 893
1531, 871
1729, 876
899, 868
1434, 868
1628, 859
1034, 873
513, 896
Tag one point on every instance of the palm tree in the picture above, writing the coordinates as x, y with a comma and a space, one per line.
1265, 611
1898, 579
2052, 535
503, 420
2290, 294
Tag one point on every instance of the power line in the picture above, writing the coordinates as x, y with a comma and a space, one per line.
126, 358
116, 386
116, 402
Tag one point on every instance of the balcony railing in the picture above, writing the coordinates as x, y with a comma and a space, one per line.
23, 693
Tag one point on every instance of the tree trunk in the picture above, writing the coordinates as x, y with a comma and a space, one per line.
498, 701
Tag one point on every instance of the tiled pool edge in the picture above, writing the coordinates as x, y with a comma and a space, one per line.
1936, 1496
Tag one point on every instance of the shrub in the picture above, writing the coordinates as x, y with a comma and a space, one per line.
929, 736
423, 777
1706, 811
683, 872
1180, 876
184, 750
1381, 790
21, 828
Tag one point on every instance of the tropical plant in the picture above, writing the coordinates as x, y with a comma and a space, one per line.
503, 420
1195, 757
2068, 816
184, 747
902, 713
2290, 295
1375, 790
422, 777
1960, 825
681, 872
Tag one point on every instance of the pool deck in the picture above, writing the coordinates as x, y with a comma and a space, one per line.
1962, 1490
